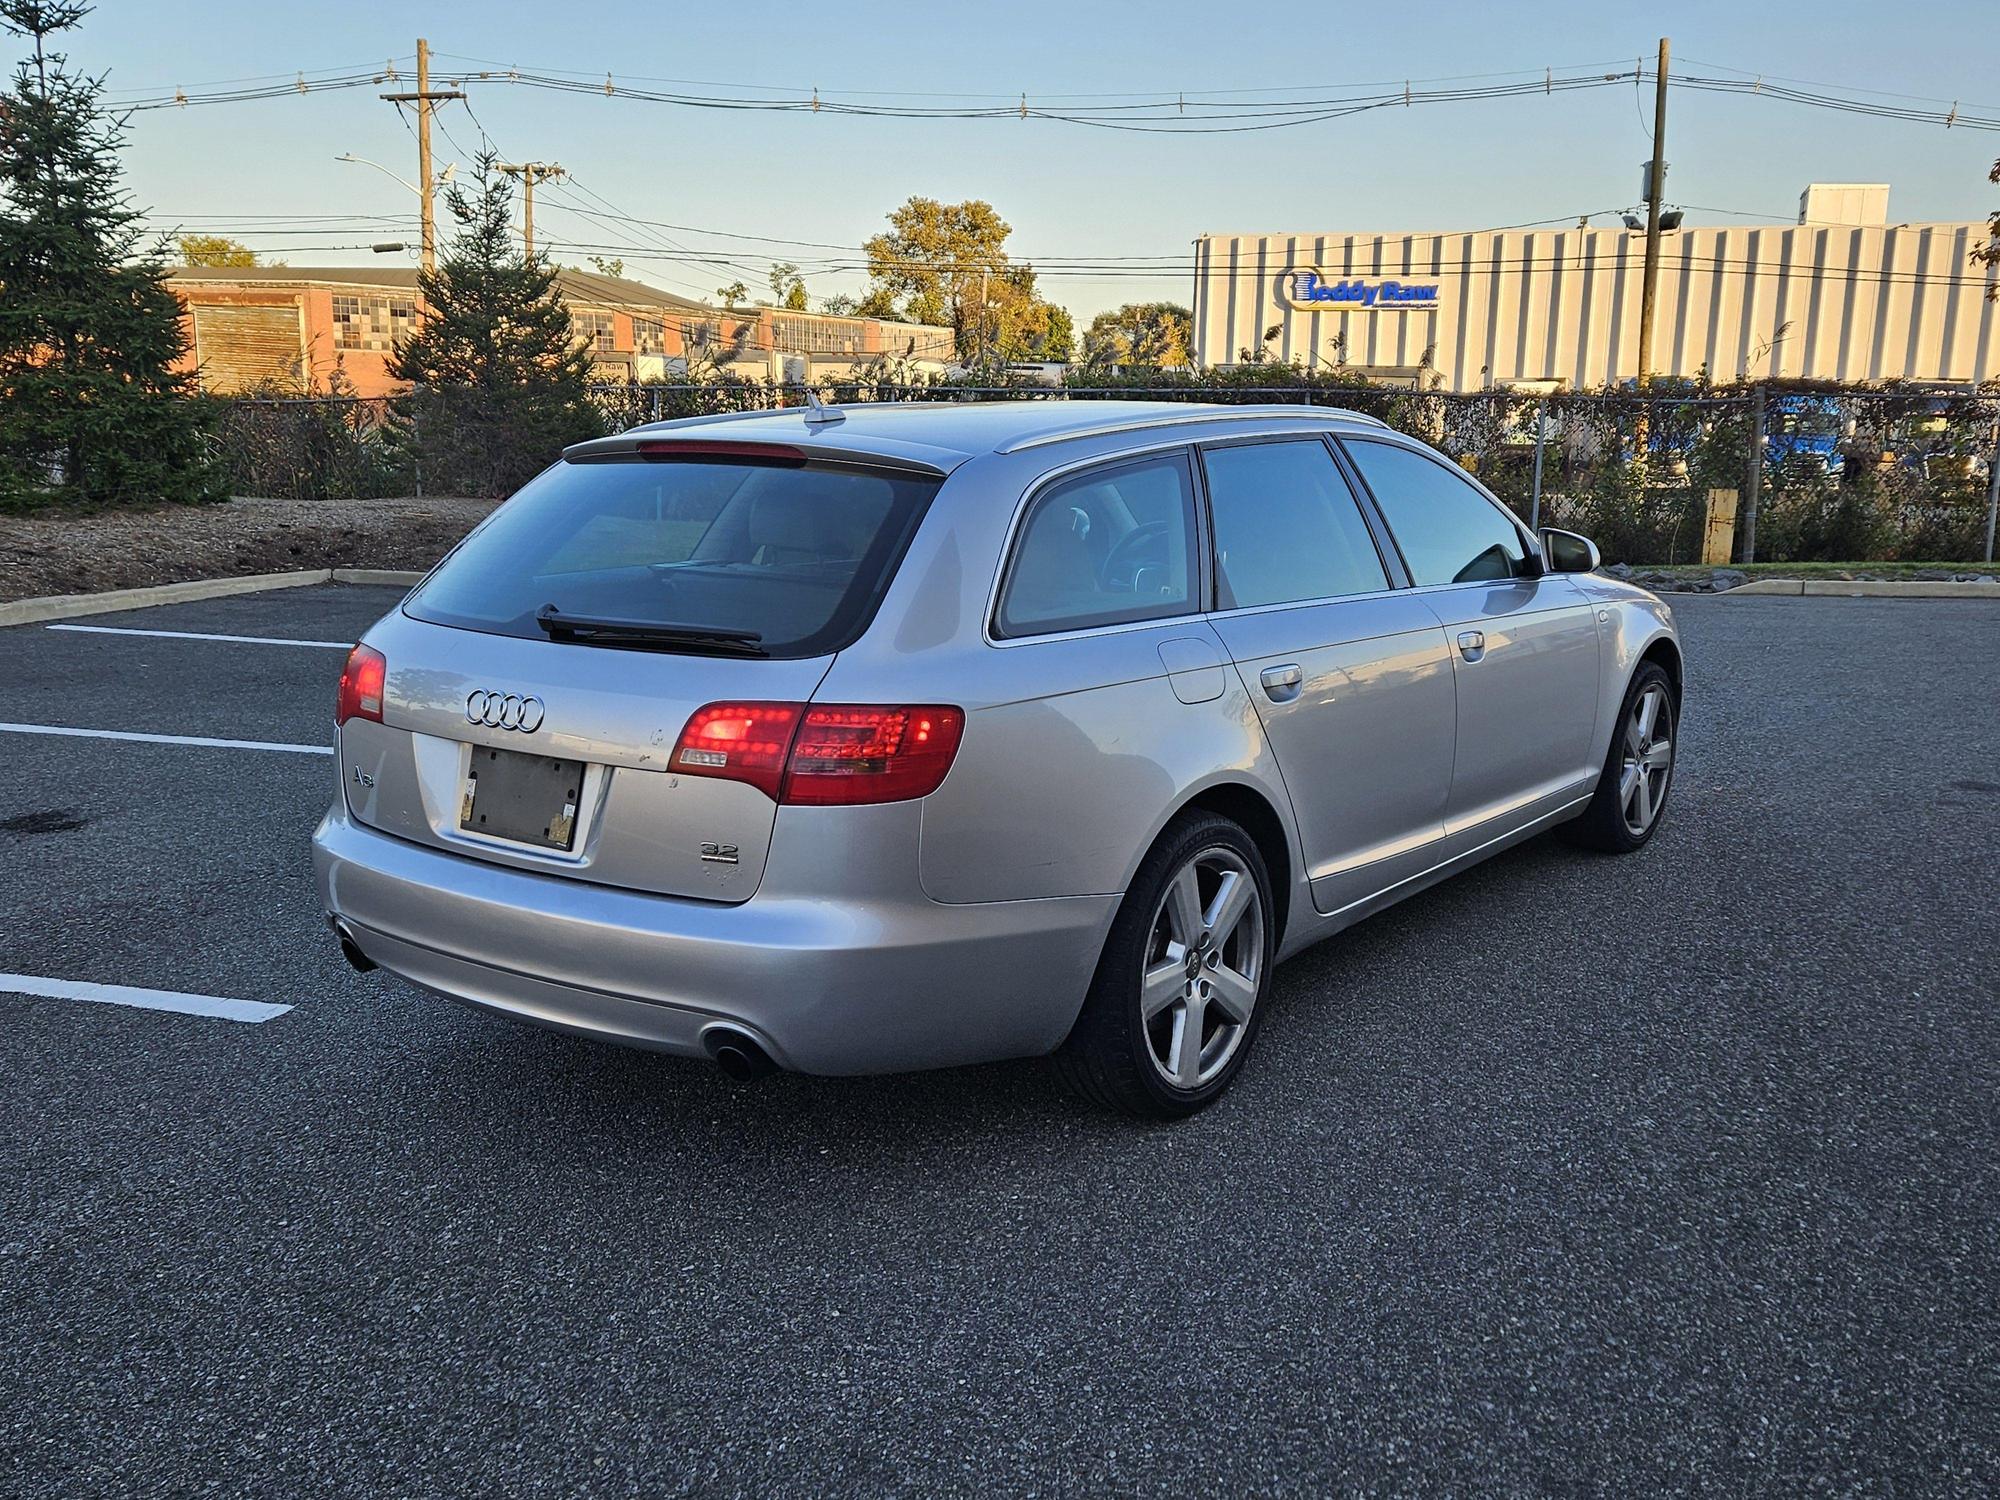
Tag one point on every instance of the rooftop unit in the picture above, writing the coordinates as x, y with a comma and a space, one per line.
1856, 204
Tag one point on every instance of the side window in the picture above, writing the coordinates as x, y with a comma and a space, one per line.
1102, 548
1448, 531
1286, 526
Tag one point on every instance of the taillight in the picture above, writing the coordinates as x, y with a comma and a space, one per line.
824, 754
739, 742
361, 686
850, 754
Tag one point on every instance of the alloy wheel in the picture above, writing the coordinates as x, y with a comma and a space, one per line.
1204, 964
1648, 760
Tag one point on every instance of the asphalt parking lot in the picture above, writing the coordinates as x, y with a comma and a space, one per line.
1674, 1174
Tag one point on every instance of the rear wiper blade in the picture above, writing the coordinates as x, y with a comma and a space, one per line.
587, 630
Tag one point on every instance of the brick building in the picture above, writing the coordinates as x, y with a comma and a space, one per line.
292, 327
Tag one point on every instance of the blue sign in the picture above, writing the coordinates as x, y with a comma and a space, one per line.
1361, 293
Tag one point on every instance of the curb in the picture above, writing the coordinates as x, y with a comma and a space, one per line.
1845, 588
65, 606
378, 576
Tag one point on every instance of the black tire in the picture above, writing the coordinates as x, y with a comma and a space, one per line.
1604, 823
1109, 1058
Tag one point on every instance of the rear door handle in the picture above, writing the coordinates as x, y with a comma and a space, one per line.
1281, 684
1472, 644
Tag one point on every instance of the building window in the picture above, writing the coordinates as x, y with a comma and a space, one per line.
797, 335
372, 322
649, 336
593, 331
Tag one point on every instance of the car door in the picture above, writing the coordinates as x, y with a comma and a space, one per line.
1350, 676
1524, 643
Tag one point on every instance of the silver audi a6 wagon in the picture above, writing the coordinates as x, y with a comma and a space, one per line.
861, 739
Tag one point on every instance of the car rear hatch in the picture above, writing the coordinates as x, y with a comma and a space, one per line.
534, 689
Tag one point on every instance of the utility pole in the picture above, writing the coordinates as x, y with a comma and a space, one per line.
1993, 492
424, 98
1756, 475
1649, 286
530, 173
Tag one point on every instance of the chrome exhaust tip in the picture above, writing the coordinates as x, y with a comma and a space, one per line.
738, 1054
350, 950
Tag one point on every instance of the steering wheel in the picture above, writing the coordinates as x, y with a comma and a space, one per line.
1125, 557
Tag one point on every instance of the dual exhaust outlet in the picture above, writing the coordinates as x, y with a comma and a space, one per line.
740, 1055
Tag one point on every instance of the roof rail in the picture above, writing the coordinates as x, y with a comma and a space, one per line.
1206, 414
784, 411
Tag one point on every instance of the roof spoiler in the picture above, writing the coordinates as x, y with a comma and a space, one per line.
697, 443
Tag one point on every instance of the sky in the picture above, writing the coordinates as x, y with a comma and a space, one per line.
1068, 190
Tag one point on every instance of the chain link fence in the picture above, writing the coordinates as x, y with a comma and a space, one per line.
1834, 475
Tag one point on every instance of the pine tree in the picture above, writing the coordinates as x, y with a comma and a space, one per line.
502, 381
92, 408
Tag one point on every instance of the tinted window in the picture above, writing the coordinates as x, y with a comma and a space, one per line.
1447, 531
795, 553
1286, 526
1104, 547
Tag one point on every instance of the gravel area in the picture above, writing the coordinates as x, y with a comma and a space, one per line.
65, 552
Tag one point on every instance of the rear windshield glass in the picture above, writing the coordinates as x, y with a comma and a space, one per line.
797, 554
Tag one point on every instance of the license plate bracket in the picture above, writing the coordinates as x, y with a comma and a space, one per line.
525, 799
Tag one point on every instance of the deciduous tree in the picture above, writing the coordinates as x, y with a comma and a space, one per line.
947, 263
214, 250
1139, 333
788, 286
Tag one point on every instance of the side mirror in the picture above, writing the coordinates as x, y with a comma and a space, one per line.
1569, 553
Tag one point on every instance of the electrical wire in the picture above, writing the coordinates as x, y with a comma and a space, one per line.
1183, 112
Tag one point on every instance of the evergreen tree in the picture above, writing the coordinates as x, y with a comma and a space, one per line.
91, 406
502, 380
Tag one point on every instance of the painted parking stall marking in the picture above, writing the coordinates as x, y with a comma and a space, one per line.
165, 739
202, 635
216, 1007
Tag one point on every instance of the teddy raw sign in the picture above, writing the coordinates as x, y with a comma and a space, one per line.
1309, 288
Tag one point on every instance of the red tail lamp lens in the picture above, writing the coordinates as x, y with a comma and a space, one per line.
823, 754
852, 754
739, 742
361, 686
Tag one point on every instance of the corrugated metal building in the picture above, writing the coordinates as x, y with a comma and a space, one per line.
1841, 295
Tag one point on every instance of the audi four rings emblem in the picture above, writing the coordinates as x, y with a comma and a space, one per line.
504, 711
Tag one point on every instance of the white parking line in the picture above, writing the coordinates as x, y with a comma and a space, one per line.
164, 739
217, 1006
198, 635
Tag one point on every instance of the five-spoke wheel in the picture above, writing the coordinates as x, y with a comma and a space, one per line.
1648, 759
1631, 795
1204, 960
1179, 992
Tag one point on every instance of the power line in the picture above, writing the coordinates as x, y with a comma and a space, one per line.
1182, 112
1007, 99
1447, 266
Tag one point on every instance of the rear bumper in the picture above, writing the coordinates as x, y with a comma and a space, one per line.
873, 982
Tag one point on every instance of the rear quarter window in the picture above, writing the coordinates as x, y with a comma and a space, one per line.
1104, 547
